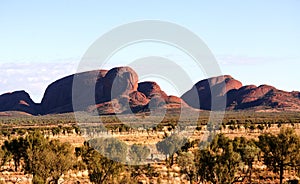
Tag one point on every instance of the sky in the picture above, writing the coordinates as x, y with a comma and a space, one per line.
256, 42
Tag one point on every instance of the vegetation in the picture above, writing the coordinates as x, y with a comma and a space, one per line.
218, 163
34, 146
46, 160
248, 151
281, 151
187, 164
138, 153
101, 169
170, 145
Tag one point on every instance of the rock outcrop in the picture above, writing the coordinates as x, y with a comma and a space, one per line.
211, 93
58, 95
113, 91
118, 91
151, 89
120, 81
18, 101
229, 94
263, 97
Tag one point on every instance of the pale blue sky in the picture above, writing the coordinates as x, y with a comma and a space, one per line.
255, 41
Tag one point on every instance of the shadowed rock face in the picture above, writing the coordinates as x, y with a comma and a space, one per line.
151, 89
159, 98
18, 101
58, 95
200, 96
137, 98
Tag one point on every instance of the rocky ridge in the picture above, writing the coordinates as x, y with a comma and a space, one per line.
118, 91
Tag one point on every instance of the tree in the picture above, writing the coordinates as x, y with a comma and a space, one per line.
101, 169
218, 163
35, 153
252, 127
138, 153
186, 162
17, 149
280, 151
248, 151
55, 131
110, 147
43, 159
46, 159
4, 156
170, 145
61, 159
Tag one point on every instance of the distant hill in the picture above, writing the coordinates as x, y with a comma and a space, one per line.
118, 91
239, 97
18, 101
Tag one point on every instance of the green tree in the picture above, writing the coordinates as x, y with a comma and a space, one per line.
47, 160
281, 151
110, 147
55, 131
170, 145
261, 127
186, 162
35, 146
101, 169
17, 149
218, 163
248, 151
4, 156
138, 153
252, 127
61, 159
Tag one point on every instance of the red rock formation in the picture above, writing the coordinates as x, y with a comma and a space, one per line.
137, 98
265, 97
118, 91
120, 81
58, 95
200, 96
18, 101
151, 89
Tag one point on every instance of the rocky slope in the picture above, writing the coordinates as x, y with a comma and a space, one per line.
118, 91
